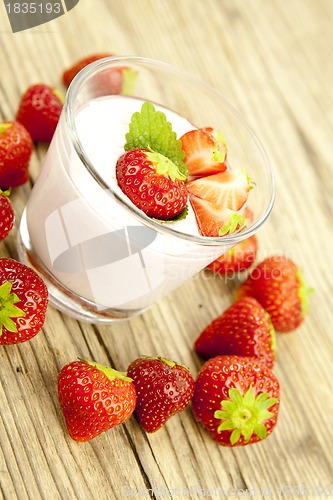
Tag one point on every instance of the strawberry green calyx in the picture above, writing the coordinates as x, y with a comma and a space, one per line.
59, 94
111, 373
244, 414
8, 309
272, 332
303, 293
218, 154
149, 129
250, 182
5, 126
5, 193
236, 220
164, 166
129, 80
167, 361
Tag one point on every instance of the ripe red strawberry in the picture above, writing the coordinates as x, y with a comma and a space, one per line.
229, 189
152, 182
39, 111
23, 302
277, 284
7, 216
71, 72
94, 398
110, 81
236, 400
16, 147
244, 329
237, 259
205, 152
215, 221
164, 388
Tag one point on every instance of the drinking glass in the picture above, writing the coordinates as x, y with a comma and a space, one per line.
101, 257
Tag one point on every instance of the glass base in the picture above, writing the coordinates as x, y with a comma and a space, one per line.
62, 298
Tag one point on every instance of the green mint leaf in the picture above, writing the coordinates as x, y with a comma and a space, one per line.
149, 129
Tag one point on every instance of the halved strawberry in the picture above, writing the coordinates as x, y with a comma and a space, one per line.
228, 189
205, 152
213, 220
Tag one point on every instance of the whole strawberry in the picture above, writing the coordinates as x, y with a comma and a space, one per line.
152, 182
94, 398
277, 284
16, 147
23, 302
236, 400
117, 80
7, 216
71, 72
39, 111
244, 329
164, 388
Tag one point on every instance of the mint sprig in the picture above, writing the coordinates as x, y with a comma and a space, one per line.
149, 129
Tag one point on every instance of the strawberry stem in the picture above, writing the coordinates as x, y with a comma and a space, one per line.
236, 220
164, 166
304, 293
5, 126
59, 95
8, 309
129, 80
244, 414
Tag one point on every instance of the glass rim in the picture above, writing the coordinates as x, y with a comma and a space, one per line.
162, 227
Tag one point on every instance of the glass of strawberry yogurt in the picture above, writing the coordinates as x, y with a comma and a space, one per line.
101, 256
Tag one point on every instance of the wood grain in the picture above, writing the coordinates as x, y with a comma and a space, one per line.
273, 61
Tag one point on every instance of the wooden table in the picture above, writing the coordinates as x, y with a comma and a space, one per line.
273, 61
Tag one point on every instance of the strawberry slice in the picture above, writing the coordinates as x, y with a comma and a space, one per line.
213, 220
205, 152
228, 189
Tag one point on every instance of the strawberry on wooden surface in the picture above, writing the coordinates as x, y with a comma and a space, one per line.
237, 259
23, 302
240, 257
39, 111
111, 80
7, 215
16, 147
94, 398
73, 70
244, 329
164, 388
277, 284
236, 400
205, 152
